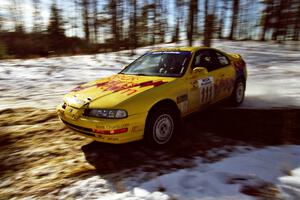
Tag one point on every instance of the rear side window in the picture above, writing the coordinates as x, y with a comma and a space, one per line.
222, 59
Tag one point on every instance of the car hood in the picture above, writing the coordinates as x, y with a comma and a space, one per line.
109, 92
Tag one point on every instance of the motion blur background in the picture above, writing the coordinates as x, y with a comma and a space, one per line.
48, 47
31, 28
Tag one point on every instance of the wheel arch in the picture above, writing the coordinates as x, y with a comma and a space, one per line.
163, 102
241, 77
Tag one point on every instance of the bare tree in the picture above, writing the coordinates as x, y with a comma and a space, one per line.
16, 15
1, 23
55, 28
234, 18
208, 24
133, 26
162, 22
193, 9
280, 19
74, 19
178, 10
266, 18
85, 17
95, 20
297, 23
37, 18
144, 23
113, 11
222, 18
120, 19
154, 22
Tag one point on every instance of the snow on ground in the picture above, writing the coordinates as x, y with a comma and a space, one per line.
42, 82
274, 75
278, 167
274, 81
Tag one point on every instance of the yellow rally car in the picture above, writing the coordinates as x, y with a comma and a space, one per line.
149, 97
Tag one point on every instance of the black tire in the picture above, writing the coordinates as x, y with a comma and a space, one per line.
238, 94
162, 126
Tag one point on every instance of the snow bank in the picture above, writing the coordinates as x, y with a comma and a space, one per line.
274, 75
220, 180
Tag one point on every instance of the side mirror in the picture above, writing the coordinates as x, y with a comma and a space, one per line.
200, 70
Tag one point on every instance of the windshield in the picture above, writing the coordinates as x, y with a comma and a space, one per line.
159, 64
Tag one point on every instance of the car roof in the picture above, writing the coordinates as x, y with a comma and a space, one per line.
191, 49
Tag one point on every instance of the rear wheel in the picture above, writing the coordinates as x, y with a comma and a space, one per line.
238, 93
161, 127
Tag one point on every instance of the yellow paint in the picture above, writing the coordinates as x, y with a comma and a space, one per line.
137, 95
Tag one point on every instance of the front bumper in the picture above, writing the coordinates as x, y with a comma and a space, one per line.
115, 131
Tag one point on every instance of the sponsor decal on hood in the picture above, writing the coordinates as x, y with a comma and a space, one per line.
121, 83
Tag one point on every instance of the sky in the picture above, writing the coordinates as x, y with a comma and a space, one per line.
26, 12
68, 12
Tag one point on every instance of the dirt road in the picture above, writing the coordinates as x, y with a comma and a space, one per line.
39, 156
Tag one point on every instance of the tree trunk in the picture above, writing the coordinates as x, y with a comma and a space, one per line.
176, 32
297, 25
154, 22
265, 19
133, 27
222, 17
234, 18
208, 25
85, 16
144, 31
95, 20
162, 22
17, 15
114, 24
192, 13
279, 21
37, 19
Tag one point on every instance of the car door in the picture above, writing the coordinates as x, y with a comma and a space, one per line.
214, 85
200, 85
224, 76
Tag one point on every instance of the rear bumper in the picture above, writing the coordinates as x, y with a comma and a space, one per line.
132, 127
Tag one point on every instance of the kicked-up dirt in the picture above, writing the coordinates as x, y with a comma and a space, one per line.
40, 156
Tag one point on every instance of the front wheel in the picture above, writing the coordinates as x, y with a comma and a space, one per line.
162, 124
238, 93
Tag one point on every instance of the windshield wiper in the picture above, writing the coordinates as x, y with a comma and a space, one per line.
140, 74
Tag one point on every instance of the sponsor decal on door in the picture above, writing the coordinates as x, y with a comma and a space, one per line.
206, 88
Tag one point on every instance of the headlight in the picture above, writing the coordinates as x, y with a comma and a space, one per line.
106, 113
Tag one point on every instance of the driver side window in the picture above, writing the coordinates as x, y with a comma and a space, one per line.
205, 59
210, 59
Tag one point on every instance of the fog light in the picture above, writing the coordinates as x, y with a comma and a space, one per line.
110, 132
